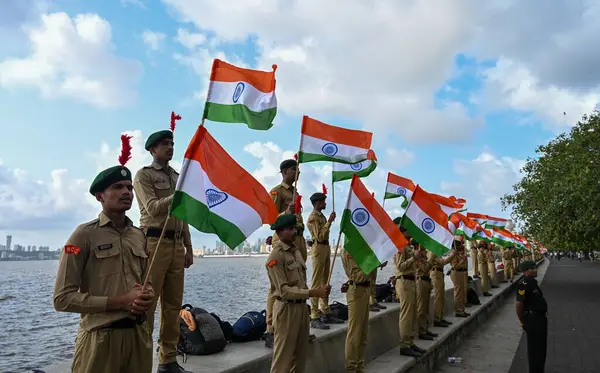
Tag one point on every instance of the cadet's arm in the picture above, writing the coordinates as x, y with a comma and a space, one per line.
449, 258
277, 275
405, 263
430, 257
187, 237
318, 231
142, 184
520, 312
67, 297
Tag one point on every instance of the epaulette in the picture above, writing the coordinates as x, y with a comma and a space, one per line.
89, 223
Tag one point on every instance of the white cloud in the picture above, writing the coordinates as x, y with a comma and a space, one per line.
188, 39
399, 157
382, 71
139, 3
512, 85
153, 39
73, 57
484, 180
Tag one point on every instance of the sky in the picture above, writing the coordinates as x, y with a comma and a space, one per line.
458, 93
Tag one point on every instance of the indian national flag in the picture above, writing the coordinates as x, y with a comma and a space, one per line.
343, 171
237, 95
214, 194
480, 218
398, 186
371, 237
427, 223
324, 142
502, 237
465, 226
449, 205
493, 222
482, 234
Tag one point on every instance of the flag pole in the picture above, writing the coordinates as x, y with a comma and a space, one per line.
298, 162
162, 234
332, 190
337, 245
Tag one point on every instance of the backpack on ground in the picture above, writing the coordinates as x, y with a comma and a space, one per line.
199, 332
339, 310
250, 327
384, 292
226, 327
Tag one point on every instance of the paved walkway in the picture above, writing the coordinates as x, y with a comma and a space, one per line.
572, 291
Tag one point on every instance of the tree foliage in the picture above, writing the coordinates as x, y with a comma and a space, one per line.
558, 201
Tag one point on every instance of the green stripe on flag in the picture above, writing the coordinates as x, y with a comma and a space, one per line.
310, 157
422, 237
355, 244
198, 215
239, 113
347, 175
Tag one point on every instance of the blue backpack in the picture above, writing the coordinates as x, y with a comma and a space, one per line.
250, 327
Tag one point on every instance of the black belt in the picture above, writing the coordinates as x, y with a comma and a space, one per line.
125, 323
408, 277
155, 232
364, 283
460, 270
424, 278
323, 242
536, 313
438, 269
296, 301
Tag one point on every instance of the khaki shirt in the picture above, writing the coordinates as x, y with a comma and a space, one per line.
283, 195
353, 271
481, 257
423, 266
99, 262
287, 273
154, 188
507, 254
490, 256
405, 261
459, 261
319, 227
437, 262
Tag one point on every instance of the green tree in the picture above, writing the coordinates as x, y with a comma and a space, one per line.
558, 201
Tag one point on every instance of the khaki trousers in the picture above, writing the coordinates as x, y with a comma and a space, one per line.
300, 243
290, 348
113, 351
167, 275
321, 264
439, 292
423, 300
475, 262
406, 291
358, 327
492, 269
373, 287
509, 273
459, 279
485, 278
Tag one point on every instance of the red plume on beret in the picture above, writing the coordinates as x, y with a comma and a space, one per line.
125, 149
298, 205
296, 156
324, 189
174, 118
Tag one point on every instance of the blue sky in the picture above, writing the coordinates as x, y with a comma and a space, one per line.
455, 101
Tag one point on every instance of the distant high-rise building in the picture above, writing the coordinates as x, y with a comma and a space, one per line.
8, 242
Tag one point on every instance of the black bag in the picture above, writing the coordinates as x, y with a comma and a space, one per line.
339, 310
250, 327
206, 339
383, 292
225, 327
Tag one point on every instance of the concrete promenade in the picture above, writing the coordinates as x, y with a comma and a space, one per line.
572, 290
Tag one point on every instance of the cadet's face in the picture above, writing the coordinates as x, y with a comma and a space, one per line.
164, 150
289, 174
117, 197
286, 235
322, 204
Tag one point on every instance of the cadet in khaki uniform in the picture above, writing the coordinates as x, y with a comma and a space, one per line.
483, 270
439, 286
515, 267
357, 296
100, 273
474, 258
508, 264
319, 226
287, 276
374, 305
459, 278
154, 186
491, 264
282, 196
406, 291
423, 296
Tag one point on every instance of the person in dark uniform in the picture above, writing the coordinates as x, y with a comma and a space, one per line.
532, 312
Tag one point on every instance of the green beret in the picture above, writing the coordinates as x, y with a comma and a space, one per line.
157, 137
317, 197
288, 163
284, 221
527, 264
397, 220
108, 177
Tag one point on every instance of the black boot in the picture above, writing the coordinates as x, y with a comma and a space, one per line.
172, 367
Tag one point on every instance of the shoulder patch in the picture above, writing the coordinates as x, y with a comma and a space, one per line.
72, 249
521, 292
349, 256
274, 192
271, 263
